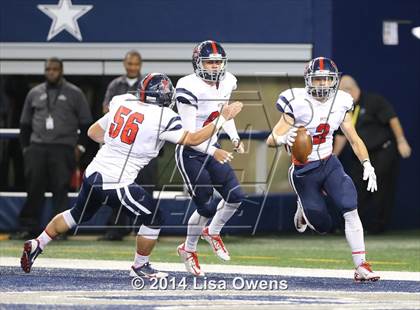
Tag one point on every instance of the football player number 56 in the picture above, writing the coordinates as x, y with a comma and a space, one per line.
129, 125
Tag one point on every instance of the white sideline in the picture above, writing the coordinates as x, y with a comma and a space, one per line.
208, 268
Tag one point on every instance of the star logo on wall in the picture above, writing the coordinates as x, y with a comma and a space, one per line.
64, 16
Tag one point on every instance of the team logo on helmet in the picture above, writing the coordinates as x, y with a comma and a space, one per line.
157, 88
209, 51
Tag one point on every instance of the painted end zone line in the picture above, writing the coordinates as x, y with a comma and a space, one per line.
209, 268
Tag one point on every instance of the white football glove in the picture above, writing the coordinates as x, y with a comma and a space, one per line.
370, 176
238, 146
288, 138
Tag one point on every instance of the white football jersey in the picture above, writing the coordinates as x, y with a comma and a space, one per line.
134, 134
207, 99
321, 119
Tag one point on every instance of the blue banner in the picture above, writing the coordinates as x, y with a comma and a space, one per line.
235, 21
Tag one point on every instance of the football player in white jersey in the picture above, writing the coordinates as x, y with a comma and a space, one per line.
134, 130
321, 109
199, 98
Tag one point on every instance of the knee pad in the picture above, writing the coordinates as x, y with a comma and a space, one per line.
202, 194
348, 201
156, 219
69, 219
320, 221
208, 209
236, 195
79, 215
148, 232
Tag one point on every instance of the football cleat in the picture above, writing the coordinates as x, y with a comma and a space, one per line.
31, 250
147, 271
364, 273
190, 260
216, 244
299, 219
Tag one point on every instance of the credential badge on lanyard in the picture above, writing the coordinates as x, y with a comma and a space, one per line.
49, 121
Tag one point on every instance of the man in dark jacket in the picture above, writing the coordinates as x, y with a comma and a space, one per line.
53, 113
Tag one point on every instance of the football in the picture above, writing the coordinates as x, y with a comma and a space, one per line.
302, 146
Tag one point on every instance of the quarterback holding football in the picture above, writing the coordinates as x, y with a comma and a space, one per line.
321, 108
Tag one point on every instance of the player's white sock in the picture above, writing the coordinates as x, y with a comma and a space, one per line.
140, 260
354, 236
196, 223
224, 212
43, 239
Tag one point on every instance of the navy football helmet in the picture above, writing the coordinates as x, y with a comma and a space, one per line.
321, 78
209, 50
157, 88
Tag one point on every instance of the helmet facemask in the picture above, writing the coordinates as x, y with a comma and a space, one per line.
321, 85
211, 75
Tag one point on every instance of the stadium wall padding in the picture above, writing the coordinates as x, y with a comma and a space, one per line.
392, 71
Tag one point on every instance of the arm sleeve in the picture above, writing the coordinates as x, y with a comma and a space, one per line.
205, 148
185, 97
230, 128
283, 103
103, 121
172, 129
188, 115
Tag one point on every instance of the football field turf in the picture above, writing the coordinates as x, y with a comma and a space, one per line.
397, 251
83, 273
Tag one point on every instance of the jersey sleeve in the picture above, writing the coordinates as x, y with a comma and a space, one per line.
233, 80
103, 121
283, 103
171, 127
348, 102
184, 94
188, 116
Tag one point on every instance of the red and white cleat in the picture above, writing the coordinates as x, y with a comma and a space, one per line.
190, 260
216, 244
31, 250
365, 273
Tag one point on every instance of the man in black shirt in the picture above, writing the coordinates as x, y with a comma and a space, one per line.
379, 127
53, 113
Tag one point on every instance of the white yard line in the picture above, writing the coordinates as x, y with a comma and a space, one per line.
208, 268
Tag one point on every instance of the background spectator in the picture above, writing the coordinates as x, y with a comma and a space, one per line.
127, 82
147, 176
52, 114
379, 127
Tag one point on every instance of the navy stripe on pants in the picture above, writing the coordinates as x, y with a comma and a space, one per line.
133, 200
310, 180
202, 174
